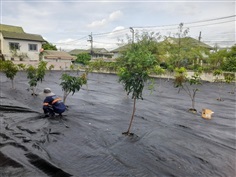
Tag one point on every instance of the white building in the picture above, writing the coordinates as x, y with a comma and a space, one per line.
17, 45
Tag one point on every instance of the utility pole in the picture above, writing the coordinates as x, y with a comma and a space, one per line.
199, 38
132, 31
91, 41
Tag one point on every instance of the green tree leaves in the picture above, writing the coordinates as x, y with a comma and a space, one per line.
36, 74
134, 68
71, 84
188, 84
49, 46
10, 69
134, 65
83, 58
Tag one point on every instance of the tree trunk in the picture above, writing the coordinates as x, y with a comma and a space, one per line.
12, 84
132, 118
65, 96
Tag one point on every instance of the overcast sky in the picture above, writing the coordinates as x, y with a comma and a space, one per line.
67, 24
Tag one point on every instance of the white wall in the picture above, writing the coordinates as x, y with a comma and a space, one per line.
24, 48
57, 65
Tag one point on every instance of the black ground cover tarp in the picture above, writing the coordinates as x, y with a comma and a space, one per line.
168, 140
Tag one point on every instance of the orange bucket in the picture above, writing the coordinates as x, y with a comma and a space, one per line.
206, 113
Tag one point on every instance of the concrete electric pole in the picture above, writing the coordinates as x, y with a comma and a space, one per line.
200, 37
132, 31
91, 41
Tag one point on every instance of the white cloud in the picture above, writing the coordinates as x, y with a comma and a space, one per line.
115, 15
98, 23
65, 22
118, 28
112, 17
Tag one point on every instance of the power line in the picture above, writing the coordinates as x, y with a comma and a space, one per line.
115, 34
117, 31
104, 42
185, 23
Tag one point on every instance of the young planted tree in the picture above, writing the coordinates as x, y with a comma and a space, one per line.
10, 69
71, 84
51, 67
188, 84
21, 66
218, 74
36, 74
135, 64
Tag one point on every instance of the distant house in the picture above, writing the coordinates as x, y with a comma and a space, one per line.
187, 41
17, 45
96, 53
60, 59
117, 52
58, 56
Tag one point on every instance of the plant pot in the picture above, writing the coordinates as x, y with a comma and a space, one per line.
192, 110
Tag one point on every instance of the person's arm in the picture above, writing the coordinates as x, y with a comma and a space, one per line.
46, 102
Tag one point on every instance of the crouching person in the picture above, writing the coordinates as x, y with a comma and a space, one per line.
52, 104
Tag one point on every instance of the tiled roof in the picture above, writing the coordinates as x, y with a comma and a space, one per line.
189, 42
22, 36
95, 51
78, 51
53, 54
120, 49
10, 28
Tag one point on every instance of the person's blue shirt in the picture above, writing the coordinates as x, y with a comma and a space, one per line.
55, 103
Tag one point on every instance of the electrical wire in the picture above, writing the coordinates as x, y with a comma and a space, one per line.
120, 33
185, 23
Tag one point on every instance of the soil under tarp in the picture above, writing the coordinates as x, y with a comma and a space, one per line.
168, 140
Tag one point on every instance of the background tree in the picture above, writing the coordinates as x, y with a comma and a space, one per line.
157, 71
1, 65
230, 63
10, 69
179, 50
49, 46
134, 66
72, 84
83, 58
230, 78
174, 46
188, 84
217, 58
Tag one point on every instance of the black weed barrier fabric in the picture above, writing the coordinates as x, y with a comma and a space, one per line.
168, 140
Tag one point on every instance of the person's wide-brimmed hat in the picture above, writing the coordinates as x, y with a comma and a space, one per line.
47, 92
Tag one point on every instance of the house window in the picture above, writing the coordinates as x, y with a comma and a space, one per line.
33, 47
14, 46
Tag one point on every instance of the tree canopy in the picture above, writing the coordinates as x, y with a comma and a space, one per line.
49, 46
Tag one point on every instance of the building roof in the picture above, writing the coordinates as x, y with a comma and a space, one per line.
100, 50
15, 32
54, 54
188, 41
22, 36
120, 49
16, 29
95, 51
78, 51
